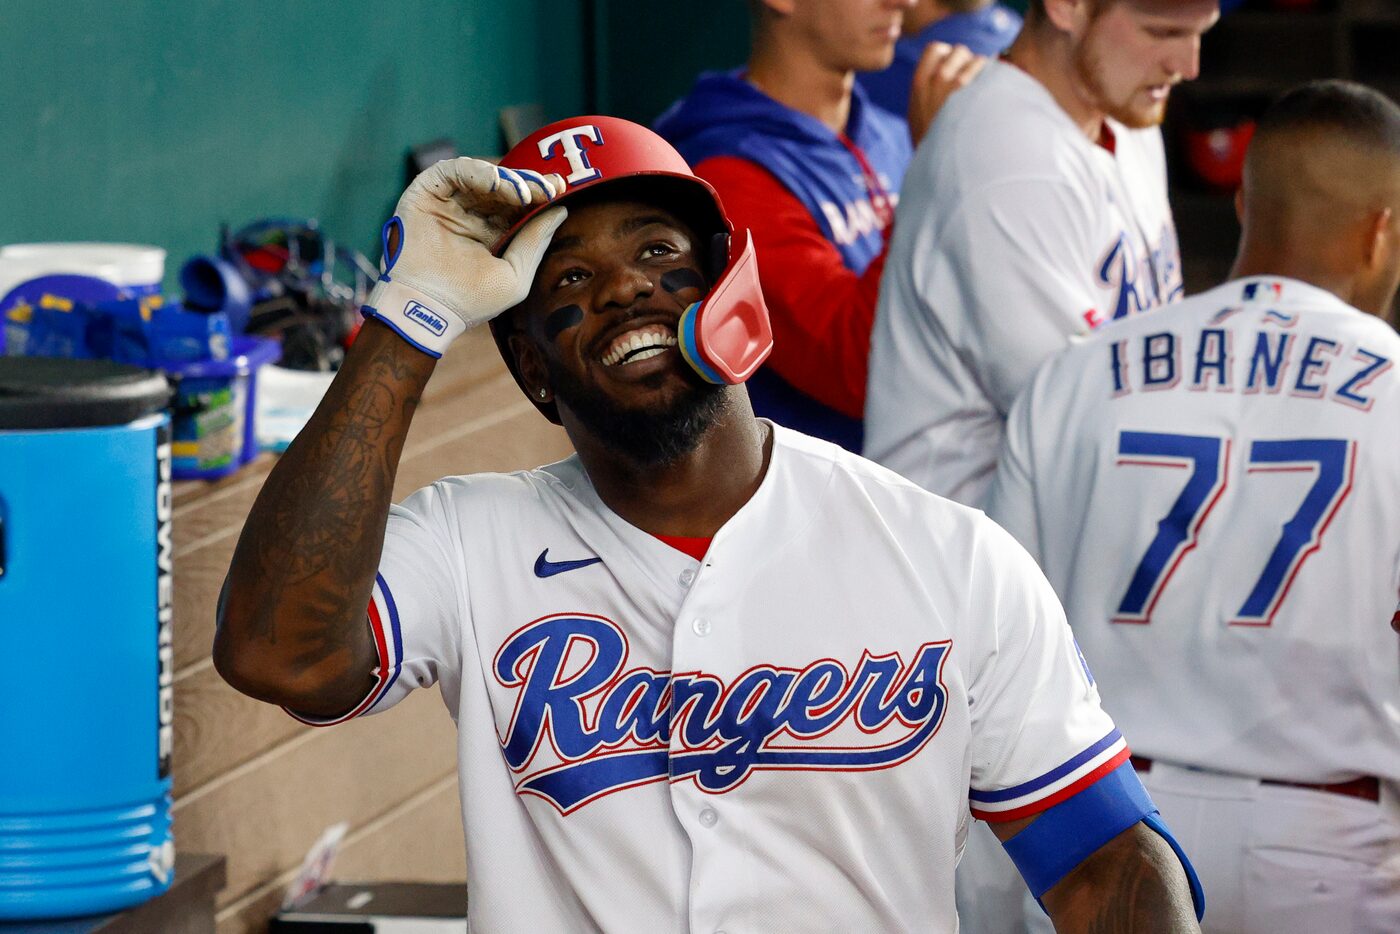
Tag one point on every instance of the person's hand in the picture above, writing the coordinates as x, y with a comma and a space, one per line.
440, 276
942, 69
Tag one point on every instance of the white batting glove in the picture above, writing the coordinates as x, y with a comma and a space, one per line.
439, 275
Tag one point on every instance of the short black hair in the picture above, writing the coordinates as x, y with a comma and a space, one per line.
1359, 114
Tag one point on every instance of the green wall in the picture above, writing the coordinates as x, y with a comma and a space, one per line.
651, 52
151, 121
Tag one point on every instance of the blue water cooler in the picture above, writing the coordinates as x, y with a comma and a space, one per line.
86, 723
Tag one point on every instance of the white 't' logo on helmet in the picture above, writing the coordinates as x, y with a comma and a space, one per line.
570, 143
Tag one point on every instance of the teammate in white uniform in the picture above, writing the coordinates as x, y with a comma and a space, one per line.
1034, 210
708, 673
1214, 491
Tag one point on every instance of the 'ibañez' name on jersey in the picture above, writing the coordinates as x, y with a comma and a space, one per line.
585, 725
1272, 359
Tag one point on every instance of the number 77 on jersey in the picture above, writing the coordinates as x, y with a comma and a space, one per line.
1332, 460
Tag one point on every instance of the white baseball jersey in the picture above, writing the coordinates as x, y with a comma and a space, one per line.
1214, 491
1014, 234
785, 736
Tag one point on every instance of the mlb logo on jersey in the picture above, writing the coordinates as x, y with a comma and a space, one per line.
1270, 291
584, 724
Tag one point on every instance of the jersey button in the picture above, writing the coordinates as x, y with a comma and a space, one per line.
701, 626
687, 577
708, 817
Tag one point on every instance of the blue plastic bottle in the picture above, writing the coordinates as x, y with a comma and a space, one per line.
86, 726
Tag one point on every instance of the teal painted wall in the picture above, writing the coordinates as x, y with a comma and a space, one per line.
651, 52
151, 121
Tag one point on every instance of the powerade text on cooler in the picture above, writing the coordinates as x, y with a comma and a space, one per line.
85, 599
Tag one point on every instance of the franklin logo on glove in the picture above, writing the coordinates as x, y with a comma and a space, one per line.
444, 278
420, 314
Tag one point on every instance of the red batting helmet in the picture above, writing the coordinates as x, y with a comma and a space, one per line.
726, 335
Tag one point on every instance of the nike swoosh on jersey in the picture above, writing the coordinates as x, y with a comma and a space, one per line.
546, 568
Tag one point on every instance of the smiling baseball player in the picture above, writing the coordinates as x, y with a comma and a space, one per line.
708, 674
1213, 492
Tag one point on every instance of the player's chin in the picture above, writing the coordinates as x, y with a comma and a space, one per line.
875, 56
1140, 118
1141, 113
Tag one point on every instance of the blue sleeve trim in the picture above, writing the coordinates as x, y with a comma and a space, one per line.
395, 630
1198, 892
1050, 777
369, 312
1065, 835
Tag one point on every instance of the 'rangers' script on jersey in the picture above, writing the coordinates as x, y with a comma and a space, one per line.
585, 725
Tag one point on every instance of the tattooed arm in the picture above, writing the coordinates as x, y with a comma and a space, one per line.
1133, 884
292, 626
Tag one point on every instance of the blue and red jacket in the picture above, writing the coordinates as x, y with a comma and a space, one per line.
820, 205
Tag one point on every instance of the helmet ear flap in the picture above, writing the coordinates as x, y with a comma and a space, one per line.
718, 257
726, 335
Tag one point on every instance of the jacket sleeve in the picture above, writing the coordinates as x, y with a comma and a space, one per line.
822, 311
